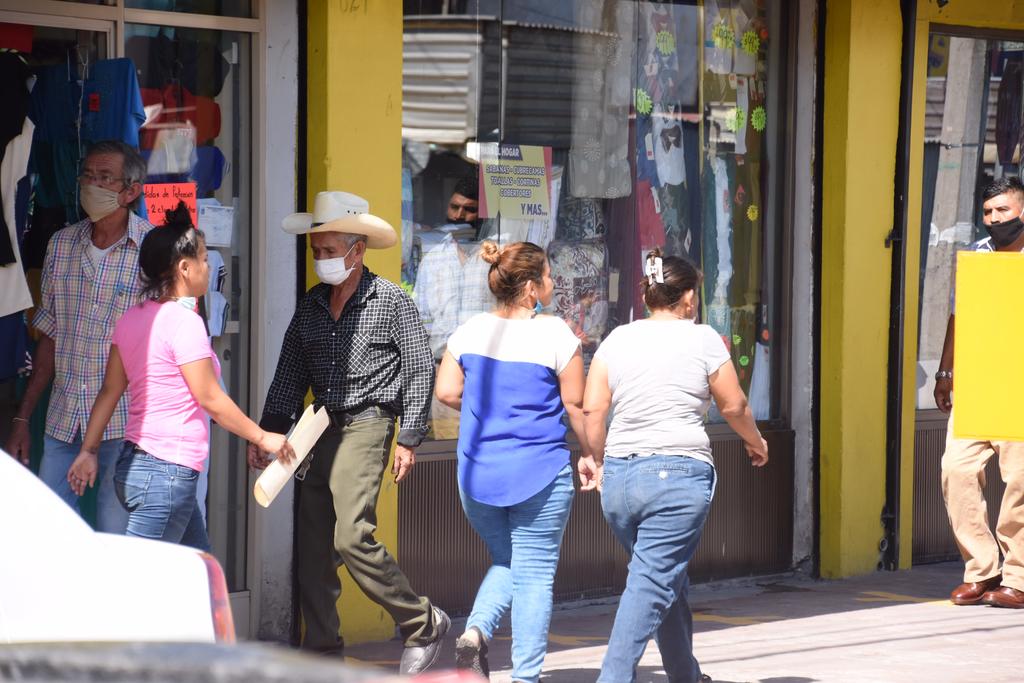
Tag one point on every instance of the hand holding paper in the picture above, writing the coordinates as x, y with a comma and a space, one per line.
303, 437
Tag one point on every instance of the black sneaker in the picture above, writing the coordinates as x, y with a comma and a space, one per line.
472, 656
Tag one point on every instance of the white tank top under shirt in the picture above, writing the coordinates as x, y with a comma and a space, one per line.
658, 373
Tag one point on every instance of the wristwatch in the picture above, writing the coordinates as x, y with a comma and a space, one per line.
943, 374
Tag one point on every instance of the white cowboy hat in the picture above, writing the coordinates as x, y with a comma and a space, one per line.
343, 212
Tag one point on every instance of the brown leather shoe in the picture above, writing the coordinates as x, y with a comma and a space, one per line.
1004, 597
971, 593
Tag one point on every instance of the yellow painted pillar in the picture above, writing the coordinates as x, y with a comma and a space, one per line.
354, 134
861, 117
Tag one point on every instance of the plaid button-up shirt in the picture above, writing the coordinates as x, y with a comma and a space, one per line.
375, 354
80, 304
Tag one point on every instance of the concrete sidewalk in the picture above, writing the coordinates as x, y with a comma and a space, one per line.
885, 628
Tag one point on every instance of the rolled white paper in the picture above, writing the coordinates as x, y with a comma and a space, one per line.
302, 437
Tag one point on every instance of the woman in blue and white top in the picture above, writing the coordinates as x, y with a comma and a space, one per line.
514, 374
653, 463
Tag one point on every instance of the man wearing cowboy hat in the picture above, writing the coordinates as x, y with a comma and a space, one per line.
357, 342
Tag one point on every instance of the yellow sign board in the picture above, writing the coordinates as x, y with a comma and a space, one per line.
988, 371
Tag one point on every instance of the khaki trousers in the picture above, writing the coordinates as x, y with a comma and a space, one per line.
336, 521
963, 481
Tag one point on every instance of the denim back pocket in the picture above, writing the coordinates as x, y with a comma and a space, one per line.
131, 483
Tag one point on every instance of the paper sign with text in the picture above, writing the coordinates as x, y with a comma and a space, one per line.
515, 181
164, 197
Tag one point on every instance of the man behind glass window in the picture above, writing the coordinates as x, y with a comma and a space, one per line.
90, 277
963, 463
357, 341
464, 204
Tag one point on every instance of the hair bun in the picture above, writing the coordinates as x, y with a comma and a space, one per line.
490, 252
178, 217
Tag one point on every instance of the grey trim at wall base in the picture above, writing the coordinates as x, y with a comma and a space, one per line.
749, 530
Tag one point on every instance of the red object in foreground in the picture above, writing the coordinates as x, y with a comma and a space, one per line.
220, 601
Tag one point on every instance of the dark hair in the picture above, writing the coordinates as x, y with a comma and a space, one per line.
681, 276
467, 187
1004, 185
512, 266
162, 248
133, 166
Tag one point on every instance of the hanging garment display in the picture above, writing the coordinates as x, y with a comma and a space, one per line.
579, 271
667, 53
192, 58
719, 36
648, 217
14, 87
70, 115
579, 218
717, 244
14, 358
599, 155
174, 104
669, 157
14, 290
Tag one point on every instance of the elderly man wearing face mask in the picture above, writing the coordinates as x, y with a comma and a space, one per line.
90, 277
355, 340
963, 463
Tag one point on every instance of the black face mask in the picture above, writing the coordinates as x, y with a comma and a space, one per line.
1006, 233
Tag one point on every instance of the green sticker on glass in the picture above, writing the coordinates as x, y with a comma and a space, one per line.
737, 339
736, 119
723, 36
666, 42
750, 42
744, 361
758, 118
644, 105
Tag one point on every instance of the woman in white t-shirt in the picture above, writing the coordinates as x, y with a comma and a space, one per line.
653, 463
514, 375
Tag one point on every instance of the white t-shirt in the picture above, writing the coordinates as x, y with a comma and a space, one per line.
658, 373
96, 254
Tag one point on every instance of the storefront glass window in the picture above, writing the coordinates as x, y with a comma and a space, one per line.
597, 130
222, 8
973, 134
196, 91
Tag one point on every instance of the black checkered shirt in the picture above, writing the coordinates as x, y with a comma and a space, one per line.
375, 354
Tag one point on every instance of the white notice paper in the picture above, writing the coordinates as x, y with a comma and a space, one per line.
217, 222
302, 437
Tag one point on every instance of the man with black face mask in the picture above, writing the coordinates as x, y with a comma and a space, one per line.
963, 463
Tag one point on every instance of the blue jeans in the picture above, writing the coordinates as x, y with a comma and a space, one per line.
53, 470
160, 497
523, 541
656, 506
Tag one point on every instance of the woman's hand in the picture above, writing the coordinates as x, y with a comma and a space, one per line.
83, 471
590, 472
758, 453
272, 442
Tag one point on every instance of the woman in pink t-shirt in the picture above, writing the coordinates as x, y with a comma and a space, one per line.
162, 356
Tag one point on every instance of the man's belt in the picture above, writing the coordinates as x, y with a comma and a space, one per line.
343, 418
339, 420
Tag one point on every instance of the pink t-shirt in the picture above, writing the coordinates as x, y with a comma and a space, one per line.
164, 419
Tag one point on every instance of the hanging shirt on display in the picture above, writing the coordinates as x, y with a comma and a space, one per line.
71, 114
14, 291
175, 104
14, 79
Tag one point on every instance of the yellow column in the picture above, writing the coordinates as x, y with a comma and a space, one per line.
354, 133
861, 90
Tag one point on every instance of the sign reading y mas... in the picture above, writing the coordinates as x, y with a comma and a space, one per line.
515, 181
164, 197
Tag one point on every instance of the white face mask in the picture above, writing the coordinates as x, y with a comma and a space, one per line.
98, 202
332, 270
189, 302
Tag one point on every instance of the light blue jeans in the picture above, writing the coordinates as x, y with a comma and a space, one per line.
656, 506
523, 541
53, 470
160, 497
